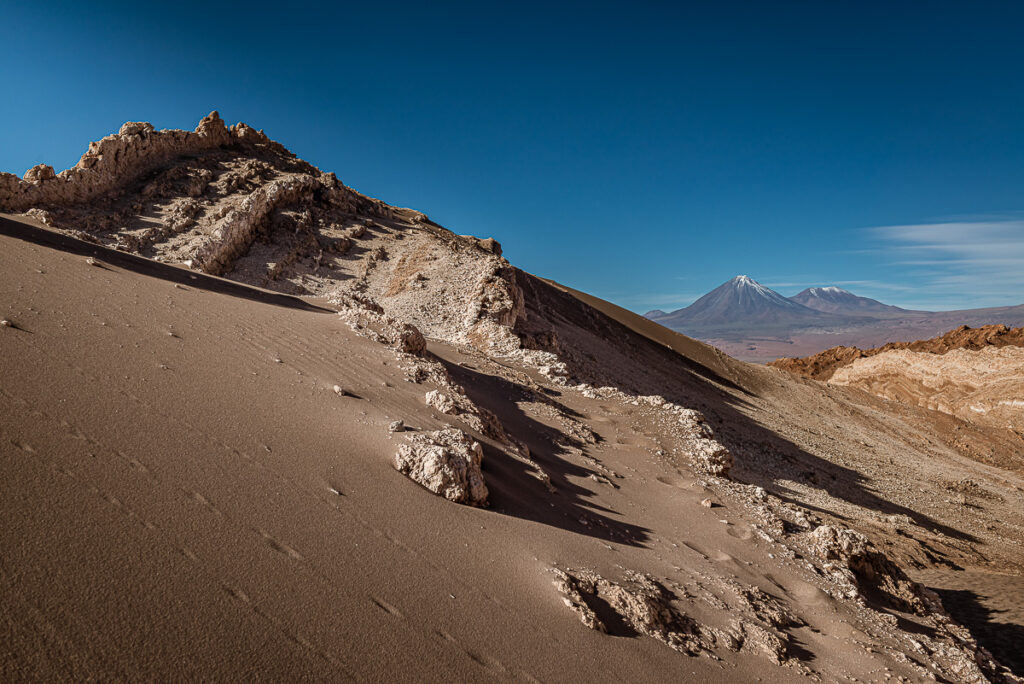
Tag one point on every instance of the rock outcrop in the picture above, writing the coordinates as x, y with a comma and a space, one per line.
985, 386
215, 193
404, 337
822, 366
110, 162
972, 373
447, 462
861, 569
641, 603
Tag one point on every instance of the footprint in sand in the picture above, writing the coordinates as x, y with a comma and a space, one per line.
720, 556
139, 465
675, 481
696, 549
236, 593
206, 503
283, 548
486, 662
808, 594
741, 532
385, 606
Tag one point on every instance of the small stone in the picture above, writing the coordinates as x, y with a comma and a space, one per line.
92, 262
707, 503
339, 391
6, 323
396, 426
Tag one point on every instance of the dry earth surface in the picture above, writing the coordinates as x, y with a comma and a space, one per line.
432, 465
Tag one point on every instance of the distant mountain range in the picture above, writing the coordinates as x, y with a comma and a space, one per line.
754, 322
836, 300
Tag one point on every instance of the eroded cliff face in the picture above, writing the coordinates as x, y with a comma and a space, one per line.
823, 365
983, 386
972, 373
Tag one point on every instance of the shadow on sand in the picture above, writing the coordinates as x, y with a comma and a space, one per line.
514, 490
1003, 640
148, 267
641, 361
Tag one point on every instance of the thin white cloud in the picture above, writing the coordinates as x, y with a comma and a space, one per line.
776, 285
962, 264
668, 301
876, 285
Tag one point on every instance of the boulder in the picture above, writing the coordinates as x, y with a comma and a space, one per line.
447, 462
441, 402
40, 172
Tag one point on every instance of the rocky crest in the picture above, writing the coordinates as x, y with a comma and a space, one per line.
823, 365
972, 373
985, 386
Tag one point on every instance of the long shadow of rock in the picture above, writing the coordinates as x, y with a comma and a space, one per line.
514, 490
600, 349
1003, 640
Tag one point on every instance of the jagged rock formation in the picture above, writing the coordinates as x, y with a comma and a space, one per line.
368, 318
447, 462
972, 373
203, 197
641, 602
859, 567
823, 365
984, 386
136, 149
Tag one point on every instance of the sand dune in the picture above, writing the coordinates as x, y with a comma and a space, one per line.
189, 496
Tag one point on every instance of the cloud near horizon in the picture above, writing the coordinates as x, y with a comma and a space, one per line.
963, 264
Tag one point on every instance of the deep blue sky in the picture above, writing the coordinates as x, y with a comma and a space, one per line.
643, 152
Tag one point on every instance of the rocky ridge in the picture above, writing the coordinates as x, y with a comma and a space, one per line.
984, 386
822, 366
971, 373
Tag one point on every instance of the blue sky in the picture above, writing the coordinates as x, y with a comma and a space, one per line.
644, 152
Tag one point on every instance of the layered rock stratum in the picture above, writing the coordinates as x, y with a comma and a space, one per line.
258, 424
976, 374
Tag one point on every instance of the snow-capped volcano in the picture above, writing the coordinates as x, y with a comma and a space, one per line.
740, 302
836, 300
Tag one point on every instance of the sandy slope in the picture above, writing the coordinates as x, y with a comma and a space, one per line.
181, 504
191, 498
